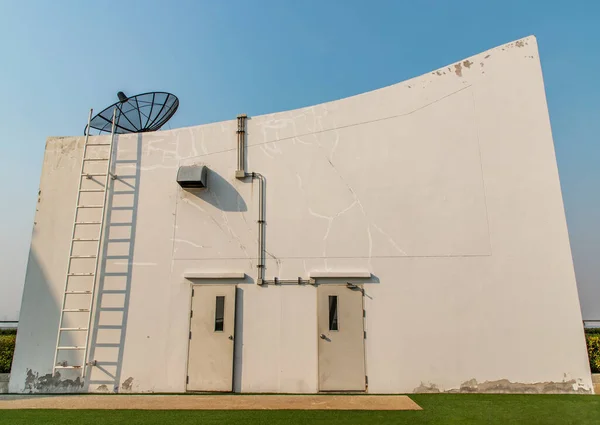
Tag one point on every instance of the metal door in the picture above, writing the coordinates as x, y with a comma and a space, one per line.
341, 338
212, 321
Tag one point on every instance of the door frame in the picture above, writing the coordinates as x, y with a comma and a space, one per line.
190, 304
353, 287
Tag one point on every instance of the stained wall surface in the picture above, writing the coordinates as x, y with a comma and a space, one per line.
444, 187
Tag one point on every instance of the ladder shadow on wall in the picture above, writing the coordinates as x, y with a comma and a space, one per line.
111, 310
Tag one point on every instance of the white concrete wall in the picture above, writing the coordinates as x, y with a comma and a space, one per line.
444, 187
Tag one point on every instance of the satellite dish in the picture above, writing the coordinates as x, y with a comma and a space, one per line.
137, 114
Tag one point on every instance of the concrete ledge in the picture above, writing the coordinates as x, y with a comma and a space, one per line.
213, 275
4, 378
340, 275
212, 402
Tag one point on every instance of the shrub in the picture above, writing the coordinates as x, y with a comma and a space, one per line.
7, 348
593, 346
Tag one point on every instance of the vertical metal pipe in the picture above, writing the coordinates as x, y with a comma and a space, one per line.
240, 174
239, 144
261, 228
241, 150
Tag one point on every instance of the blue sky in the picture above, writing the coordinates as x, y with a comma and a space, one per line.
59, 58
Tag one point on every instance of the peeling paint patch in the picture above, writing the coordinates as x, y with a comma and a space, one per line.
425, 389
487, 56
467, 63
438, 73
51, 384
504, 386
102, 389
126, 385
520, 43
458, 69
481, 64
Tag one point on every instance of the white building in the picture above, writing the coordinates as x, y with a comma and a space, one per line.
414, 239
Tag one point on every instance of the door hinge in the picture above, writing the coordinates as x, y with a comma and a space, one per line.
187, 379
364, 335
190, 334
366, 380
191, 313
364, 313
192, 292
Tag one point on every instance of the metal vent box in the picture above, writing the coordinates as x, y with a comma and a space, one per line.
192, 176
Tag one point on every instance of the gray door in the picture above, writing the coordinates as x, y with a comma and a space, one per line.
341, 338
210, 357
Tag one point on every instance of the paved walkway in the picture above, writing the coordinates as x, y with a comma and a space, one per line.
210, 402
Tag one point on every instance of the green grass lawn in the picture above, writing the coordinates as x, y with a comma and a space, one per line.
438, 409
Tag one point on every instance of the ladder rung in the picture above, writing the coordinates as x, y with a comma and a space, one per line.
98, 144
88, 222
90, 206
78, 292
80, 274
67, 367
92, 190
96, 159
83, 256
76, 310
70, 347
73, 329
93, 174
85, 240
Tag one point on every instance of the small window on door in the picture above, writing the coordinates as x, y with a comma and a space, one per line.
333, 313
219, 313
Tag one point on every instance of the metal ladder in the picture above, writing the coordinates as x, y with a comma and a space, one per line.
88, 291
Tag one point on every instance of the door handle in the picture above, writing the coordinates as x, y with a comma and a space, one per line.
322, 336
231, 337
